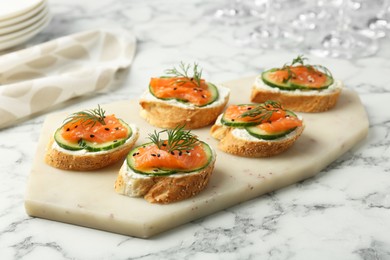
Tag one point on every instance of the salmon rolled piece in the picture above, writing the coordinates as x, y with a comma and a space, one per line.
298, 86
167, 170
257, 130
90, 140
183, 98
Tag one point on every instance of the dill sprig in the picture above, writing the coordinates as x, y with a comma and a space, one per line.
263, 112
182, 72
298, 60
87, 117
178, 139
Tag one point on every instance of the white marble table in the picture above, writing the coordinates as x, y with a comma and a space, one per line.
342, 213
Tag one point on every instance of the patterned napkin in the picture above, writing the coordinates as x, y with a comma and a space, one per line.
39, 77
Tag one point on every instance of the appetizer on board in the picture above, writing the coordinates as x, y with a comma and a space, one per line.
257, 130
90, 140
183, 97
167, 170
298, 86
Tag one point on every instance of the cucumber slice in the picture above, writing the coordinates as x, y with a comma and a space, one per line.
96, 147
164, 171
212, 88
265, 76
91, 146
66, 144
214, 93
261, 134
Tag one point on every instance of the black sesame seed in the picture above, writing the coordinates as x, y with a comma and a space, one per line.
134, 154
107, 129
249, 108
67, 129
158, 155
180, 153
203, 96
116, 128
155, 170
115, 141
153, 155
76, 126
233, 120
187, 151
164, 144
174, 88
172, 153
92, 136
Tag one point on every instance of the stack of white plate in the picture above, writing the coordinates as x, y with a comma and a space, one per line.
20, 20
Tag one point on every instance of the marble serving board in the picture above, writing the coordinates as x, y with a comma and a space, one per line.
88, 198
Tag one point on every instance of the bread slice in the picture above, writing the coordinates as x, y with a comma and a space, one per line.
163, 189
86, 161
301, 101
170, 114
235, 141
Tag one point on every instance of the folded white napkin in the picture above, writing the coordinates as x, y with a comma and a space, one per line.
39, 77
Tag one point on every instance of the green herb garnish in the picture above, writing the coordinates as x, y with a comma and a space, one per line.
263, 112
298, 60
182, 72
87, 117
178, 139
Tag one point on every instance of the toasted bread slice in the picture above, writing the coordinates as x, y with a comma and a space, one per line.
84, 160
163, 189
169, 113
301, 101
236, 141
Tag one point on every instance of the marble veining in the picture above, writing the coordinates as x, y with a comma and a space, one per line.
341, 213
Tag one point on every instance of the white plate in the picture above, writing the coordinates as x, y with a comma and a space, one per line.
28, 34
13, 8
24, 24
20, 33
25, 16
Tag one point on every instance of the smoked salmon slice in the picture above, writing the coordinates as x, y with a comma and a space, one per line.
281, 124
96, 132
182, 89
151, 156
